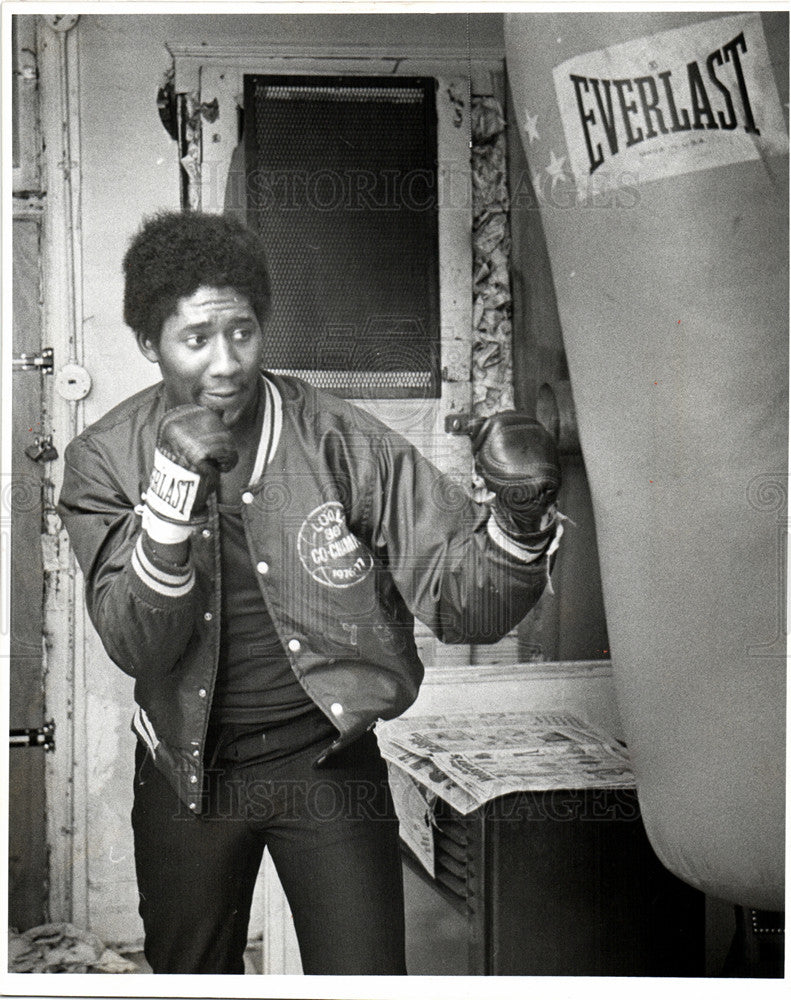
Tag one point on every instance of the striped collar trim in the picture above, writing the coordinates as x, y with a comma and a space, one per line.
271, 429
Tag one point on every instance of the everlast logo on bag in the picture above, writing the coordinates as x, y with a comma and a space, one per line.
696, 97
616, 114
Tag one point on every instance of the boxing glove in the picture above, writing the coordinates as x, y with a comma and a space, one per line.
518, 461
193, 447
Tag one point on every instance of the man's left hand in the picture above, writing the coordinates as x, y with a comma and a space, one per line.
518, 460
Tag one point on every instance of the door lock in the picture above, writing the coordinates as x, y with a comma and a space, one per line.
42, 450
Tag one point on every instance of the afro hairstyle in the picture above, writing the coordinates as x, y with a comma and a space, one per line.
176, 253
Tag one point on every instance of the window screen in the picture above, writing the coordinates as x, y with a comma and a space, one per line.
341, 177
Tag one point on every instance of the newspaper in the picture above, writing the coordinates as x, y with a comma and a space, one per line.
437, 782
413, 806
469, 759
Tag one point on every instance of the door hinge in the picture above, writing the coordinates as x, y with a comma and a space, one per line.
44, 737
43, 362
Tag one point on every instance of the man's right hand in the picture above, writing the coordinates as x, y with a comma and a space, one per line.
193, 447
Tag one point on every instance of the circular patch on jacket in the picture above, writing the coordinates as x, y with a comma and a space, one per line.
329, 551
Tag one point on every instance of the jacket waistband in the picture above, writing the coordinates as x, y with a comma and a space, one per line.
229, 743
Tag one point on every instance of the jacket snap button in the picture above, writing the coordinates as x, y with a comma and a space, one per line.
193, 779
294, 645
196, 753
247, 497
193, 805
208, 616
202, 693
336, 708
263, 567
206, 533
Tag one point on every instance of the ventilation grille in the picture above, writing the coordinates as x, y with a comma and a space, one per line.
342, 185
452, 857
396, 95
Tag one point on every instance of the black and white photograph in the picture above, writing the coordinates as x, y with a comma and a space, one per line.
394, 498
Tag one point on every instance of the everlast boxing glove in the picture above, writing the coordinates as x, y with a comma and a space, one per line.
193, 447
518, 461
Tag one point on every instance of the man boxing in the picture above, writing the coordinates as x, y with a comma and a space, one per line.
255, 552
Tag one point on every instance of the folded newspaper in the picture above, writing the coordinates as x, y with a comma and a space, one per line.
469, 759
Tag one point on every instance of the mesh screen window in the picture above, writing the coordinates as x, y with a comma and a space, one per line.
341, 179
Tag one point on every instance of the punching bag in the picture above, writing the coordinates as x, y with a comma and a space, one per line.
657, 152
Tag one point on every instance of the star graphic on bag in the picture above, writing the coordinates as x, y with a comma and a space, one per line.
555, 168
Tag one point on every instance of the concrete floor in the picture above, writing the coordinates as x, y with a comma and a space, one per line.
252, 961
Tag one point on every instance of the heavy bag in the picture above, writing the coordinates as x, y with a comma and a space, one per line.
657, 150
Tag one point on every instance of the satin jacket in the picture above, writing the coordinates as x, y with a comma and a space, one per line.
352, 534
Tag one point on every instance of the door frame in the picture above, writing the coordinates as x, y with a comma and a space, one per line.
64, 610
207, 74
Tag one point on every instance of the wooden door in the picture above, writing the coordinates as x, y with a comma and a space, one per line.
22, 494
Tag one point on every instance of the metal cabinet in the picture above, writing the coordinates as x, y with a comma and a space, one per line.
551, 883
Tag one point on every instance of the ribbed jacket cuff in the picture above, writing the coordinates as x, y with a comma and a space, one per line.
165, 579
523, 552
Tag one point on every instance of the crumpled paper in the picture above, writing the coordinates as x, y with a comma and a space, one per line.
491, 244
62, 948
487, 118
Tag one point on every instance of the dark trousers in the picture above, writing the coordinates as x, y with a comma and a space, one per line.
333, 837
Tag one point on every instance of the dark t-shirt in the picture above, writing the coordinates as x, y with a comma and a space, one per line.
255, 682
